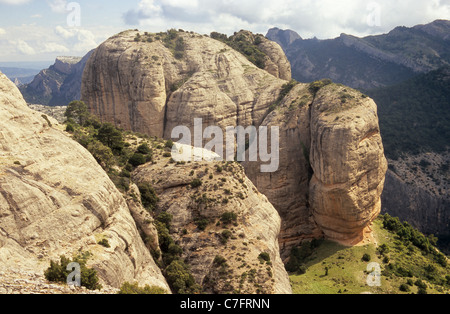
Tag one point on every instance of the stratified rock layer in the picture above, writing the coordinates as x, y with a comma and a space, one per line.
348, 161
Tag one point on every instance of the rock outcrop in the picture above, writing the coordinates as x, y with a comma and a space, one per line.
283, 37
332, 165
348, 162
56, 200
140, 83
239, 242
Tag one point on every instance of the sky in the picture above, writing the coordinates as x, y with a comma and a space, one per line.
41, 30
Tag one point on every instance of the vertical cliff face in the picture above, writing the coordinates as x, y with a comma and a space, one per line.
348, 162
332, 165
427, 212
56, 200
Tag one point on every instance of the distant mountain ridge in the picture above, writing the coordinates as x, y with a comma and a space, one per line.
19, 75
59, 84
369, 62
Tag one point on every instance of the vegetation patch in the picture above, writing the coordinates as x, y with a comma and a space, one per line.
421, 102
134, 288
246, 45
330, 268
57, 272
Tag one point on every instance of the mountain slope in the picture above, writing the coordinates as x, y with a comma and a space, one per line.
415, 114
58, 85
56, 200
329, 268
153, 83
373, 61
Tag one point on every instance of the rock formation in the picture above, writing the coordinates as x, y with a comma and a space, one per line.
283, 37
348, 162
56, 200
142, 86
224, 189
426, 211
332, 163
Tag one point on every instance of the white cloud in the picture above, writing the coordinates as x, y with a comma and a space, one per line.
2, 31
23, 47
321, 18
78, 38
65, 33
58, 6
14, 2
54, 47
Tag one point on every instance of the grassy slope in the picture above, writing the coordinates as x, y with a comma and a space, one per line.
347, 271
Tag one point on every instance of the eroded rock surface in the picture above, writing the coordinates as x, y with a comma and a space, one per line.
332, 165
224, 189
143, 86
56, 200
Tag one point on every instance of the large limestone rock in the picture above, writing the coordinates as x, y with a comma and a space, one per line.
347, 158
142, 86
255, 231
56, 200
332, 166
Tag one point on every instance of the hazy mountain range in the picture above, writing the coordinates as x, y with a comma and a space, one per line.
369, 62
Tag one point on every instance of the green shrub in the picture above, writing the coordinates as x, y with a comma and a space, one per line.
165, 218
70, 128
299, 256
225, 236
137, 160
404, 287
110, 136
164, 238
196, 183
420, 284
105, 243
316, 86
245, 45
180, 279
78, 112
57, 272
102, 154
264, 257
201, 223
128, 288
219, 261
366, 257
228, 218
143, 149
148, 196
